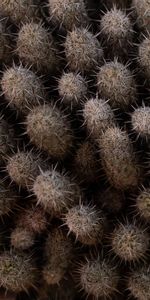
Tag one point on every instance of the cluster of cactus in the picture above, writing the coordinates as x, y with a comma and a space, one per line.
74, 149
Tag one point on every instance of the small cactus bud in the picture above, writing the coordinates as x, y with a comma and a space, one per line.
72, 89
56, 191
23, 168
21, 238
86, 223
23, 90
49, 129
98, 278
85, 163
117, 32
130, 241
140, 120
143, 204
138, 283
17, 271
142, 10
82, 49
116, 83
118, 159
35, 46
58, 253
98, 116
144, 56
20, 11
68, 13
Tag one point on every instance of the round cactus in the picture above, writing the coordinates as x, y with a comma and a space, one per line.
23, 167
33, 219
58, 254
98, 278
130, 241
118, 159
49, 129
144, 56
20, 11
85, 163
68, 13
21, 238
140, 120
35, 46
82, 49
138, 283
98, 116
142, 10
17, 271
117, 32
86, 223
56, 191
143, 204
72, 89
23, 89
116, 83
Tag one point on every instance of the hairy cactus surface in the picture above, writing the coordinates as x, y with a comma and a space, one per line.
68, 13
22, 88
49, 129
83, 50
138, 283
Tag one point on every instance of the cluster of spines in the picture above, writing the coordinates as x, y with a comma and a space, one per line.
50, 130
56, 191
86, 223
30, 222
22, 88
118, 159
58, 255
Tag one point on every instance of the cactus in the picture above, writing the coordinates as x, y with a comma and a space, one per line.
20, 11
72, 89
22, 88
142, 11
30, 222
23, 168
116, 83
87, 224
85, 163
138, 283
58, 254
56, 191
144, 55
98, 116
130, 241
68, 13
49, 129
83, 50
117, 32
36, 47
140, 120
17, 271
98, 278
118, 159
21, 238
142, 204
